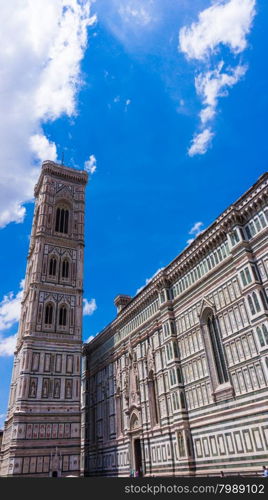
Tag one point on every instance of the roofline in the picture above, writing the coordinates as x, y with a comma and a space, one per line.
69, 174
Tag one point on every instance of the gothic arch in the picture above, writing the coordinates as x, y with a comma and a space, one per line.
63, 316
62, 216
49, 313
52, 268
213, 345
207, 307
134, 421
65, 267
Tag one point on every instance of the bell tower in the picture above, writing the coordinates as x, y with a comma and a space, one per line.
42, 428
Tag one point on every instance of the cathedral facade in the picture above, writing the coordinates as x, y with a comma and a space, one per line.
177, 383
42, 430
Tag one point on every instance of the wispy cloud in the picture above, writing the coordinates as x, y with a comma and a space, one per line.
224, 23
201, 142
2, 419
127, 103
131, 21
10, 307
195, 230
91, 164
40, 80
211, 85
91, 337
7, 345
136, 12
89, 307
147, 281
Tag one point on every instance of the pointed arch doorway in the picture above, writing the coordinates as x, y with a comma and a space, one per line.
136, 445
137, 456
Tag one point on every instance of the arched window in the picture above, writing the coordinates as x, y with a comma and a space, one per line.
65, 269
49, 314
63, 316
265, 333
52, 267
62, 220
251, 306
256, 302
183, 400
253, 303
263, 299
181, 447
262, 333
217, 349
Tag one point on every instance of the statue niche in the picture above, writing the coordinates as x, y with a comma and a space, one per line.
132, 386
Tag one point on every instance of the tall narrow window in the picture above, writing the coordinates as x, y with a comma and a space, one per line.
263, 299
183, 400
256, 302
52, 266
48, 314
65, 269
251, 306
181, 447
217, 349
62, 220
119, 420
253, 303
152, 400
262, 333
63, 316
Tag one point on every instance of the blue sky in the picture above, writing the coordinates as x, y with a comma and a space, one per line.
118, 86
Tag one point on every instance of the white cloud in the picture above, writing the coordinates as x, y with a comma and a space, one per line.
148, 280
91, 164
43, 148
7, 345
91, 337
134, 12
196, 228
213, 84
127, 103
226, 22
190, 241
195, 231
40, 78
89, 307
10, 307
200, 142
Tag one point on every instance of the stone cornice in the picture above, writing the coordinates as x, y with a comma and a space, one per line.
61, 171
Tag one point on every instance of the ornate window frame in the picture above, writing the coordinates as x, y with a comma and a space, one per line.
222, 388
